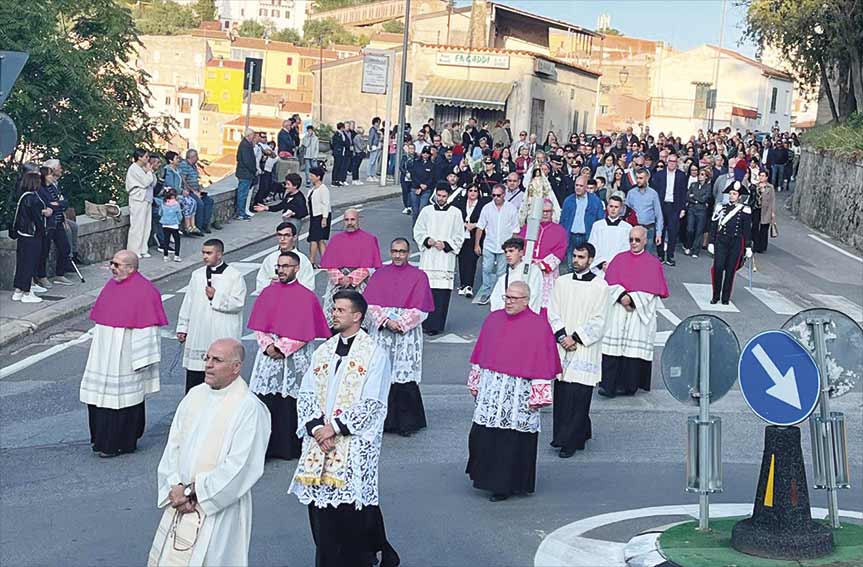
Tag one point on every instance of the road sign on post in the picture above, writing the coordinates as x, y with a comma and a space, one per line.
778, 378
695, 370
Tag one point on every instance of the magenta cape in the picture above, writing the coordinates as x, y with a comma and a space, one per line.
403, 287
291, 311
637, 272
552, 239
358, 249
520, 345
134, 303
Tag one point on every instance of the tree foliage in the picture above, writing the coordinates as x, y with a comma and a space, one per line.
610, 31
821, 41
206, 10
251, 28
329, 31
394, 26
287, 34
163, 17
325, 5
77, 99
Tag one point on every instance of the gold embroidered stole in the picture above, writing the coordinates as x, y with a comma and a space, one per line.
315, 467
177, 533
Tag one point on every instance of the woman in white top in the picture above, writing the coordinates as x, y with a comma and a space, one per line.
320, 215
139, 185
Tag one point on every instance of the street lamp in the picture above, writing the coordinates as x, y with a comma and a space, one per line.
623, 76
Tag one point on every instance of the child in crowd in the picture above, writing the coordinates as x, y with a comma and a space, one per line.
170, 217
189, 205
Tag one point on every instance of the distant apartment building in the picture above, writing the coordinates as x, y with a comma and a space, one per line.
224, 85
277, 14
371, 13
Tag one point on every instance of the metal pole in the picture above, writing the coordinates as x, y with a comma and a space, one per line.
321, 79
704, 452
249, 95
385, 137
716, 66
400, 136
817, 326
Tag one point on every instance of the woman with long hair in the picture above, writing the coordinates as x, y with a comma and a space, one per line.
320, 215
505, 164
28, 230
550, 141
470, 204
606, 169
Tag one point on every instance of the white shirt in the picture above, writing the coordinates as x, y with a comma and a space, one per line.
669, 185
498, 225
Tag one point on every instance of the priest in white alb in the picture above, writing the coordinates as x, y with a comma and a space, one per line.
439, 233
610, 235
577, 312
517, 270
212, 309
341, 408
213, 458
286, 235
123, 364
286, 318
512, 366
399, 300
350, 258
636, 282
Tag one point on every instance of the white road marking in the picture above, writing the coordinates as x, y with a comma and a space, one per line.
166, 297
836, 248
702, 293
661, 338
775, 301
31, 360
451, 339
839, 303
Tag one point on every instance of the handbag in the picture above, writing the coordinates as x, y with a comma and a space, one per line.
101, 212
774, 230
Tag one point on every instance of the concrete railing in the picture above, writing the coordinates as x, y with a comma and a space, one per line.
98, 240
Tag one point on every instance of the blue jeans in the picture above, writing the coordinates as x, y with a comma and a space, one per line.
406, 193
651, 239
493, 268
574, 240
203, 210
391, 164
418, 202
777, 175
309, 163
243, 187
374, 163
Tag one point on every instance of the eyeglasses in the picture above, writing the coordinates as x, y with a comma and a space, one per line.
286, 266
118, 264
397, 251
548, 211
635, 240
497, 194
512, 298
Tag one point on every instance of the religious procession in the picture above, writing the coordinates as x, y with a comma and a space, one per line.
573, 274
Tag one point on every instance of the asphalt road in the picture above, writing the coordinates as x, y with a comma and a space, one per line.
61, 505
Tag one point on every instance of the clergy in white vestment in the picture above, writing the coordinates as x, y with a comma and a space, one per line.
400, 299
636, 283
439, 233
549, 250
577, 311
212, 309
341, 408
123, 364
512, 366
610, 236
286, 234
517, 270
286, 318
350, 259
213, 458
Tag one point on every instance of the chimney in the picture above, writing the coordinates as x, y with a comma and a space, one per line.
479, 13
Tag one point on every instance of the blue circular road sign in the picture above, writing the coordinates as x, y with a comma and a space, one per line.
778, 378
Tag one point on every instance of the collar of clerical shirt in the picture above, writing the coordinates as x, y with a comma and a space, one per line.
217, 270
344, 346
613, 222
583, 277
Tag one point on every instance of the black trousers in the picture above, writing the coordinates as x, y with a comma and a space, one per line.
356, 161
623, 375
115, 431
571, 415
284, 443
193, 378
28, 254
436, 320
64, 252
347, 537
264, 188
727, 258
467, 261
670, 229
170, 234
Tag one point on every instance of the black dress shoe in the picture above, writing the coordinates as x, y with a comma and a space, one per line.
405, 433
714, 301
603, 392
724, 302
565, 454
670, 262
497, 497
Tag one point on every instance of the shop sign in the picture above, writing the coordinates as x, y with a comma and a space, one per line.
468, 59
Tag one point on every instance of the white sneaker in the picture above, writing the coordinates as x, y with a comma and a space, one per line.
406, 211
146, 255
31, 298
165, 259
461, 291
371, 179
36, 288
17, 295
468, 291
63, 280
177, 259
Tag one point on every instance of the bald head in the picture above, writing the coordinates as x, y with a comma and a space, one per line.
128, 257
223, 362
637, 239
123, 264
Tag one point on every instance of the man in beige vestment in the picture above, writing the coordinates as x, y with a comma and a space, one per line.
214, 455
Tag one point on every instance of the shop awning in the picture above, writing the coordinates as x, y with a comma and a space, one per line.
484, 95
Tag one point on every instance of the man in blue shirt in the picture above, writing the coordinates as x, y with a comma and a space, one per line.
580, 211
648, 208
188, 170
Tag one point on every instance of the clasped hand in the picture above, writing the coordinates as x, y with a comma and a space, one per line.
326, 438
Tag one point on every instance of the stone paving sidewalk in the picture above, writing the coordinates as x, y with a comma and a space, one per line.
21, 319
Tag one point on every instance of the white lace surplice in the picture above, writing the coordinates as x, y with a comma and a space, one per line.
504, 401
404, 349
365, 420
271, 376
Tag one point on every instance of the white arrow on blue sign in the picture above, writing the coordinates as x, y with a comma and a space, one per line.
779, 378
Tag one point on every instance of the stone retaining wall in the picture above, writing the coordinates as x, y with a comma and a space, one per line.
828, 196
98, 240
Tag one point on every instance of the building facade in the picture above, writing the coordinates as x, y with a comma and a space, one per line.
275, 14
224, 85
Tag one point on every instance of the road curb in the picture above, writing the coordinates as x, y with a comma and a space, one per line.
12, 330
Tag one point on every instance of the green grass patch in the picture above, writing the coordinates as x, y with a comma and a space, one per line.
686, 546
844, 140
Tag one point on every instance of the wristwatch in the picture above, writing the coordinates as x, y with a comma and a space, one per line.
188, 491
